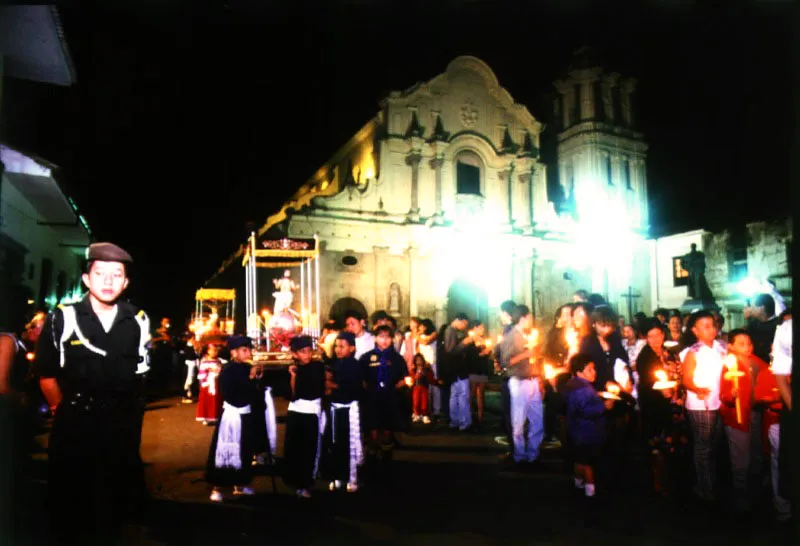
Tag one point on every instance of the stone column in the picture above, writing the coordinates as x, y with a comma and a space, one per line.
413, 160
436, 164
413, 294
524, 202
587, 99
569, 105
626, 93
506, 180
609, 87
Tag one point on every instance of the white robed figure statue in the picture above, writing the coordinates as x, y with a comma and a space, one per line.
284, 295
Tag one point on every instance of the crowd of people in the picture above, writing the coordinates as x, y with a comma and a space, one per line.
674, 390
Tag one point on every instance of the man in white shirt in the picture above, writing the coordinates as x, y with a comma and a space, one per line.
365, 341
702, 369
780, 442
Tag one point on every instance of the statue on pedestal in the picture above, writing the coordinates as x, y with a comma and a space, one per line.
695, 264
284, 295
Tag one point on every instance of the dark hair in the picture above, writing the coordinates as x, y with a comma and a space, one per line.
475, 323
419, 355
428, 326
393, 320
557, 314
596, 299
383, 328
661, 311
652, 324
508, 306
461, 316
352, 313
787, 313
604, 315
588, 308
701, 314
632, 327
583, 294
767, 302
579, 362
520, 311
736, 332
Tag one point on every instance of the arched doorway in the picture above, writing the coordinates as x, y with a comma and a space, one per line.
467, 297
343, 305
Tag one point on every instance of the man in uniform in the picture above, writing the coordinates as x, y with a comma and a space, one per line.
91, 358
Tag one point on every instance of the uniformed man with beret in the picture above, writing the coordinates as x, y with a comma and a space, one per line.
90, 359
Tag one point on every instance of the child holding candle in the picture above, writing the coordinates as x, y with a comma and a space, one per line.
585, 422
423, 378
742, 427
702, 368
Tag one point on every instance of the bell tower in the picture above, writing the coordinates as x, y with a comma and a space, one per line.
601, 156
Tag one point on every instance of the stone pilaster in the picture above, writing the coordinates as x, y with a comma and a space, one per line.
412, 160
587, 98
380, 286
436, 164
626, 104
413, 292
506, 182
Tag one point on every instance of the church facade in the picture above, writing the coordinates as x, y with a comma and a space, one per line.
440, 204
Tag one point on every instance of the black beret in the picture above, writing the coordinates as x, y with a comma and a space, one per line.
235, 342
107, 252
300, 342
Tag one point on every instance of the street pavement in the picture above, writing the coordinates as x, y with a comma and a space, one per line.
449, 488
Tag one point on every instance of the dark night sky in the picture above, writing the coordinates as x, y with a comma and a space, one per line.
185, 124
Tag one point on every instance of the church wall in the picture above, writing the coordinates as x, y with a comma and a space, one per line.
767, 257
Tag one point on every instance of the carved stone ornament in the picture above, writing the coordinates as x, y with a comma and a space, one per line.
285, 244
469, 114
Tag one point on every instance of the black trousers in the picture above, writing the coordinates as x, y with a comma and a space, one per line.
300, 452
505, 401
339, 466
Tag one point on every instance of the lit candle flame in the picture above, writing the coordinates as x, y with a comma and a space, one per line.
731, 362
613, 389
549, 371
488, 343
409, 381
661, 375
30, 356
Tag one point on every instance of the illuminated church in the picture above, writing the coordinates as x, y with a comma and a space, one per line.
440, 204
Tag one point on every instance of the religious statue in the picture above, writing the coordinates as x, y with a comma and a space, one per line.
695, 264
284, 296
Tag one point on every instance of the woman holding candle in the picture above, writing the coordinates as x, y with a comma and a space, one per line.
742, 422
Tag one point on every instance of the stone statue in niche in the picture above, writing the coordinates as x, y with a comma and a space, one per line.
394, 299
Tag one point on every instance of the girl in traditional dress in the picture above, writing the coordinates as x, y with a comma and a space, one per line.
209, 403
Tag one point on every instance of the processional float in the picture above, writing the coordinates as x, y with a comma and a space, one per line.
272, 330
214, 312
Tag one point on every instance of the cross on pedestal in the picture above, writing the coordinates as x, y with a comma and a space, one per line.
630, 296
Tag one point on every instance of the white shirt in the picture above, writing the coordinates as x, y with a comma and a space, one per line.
364, 344
107, 318
782, 349
429, 353
707, 374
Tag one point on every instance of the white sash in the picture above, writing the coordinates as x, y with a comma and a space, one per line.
229, 437
269, 417
356, 449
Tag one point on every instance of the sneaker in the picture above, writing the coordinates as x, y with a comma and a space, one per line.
303, 493
248, 491
335, 485
502, 440
216, 496
426, 420
415, 418
352, 487
551, 444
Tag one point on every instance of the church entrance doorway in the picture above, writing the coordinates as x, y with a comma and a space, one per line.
467, 297
340, 308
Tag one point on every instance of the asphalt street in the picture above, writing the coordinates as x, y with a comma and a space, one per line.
449, 488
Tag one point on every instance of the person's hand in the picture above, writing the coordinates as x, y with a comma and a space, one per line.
735, 392
667, 393
702, 394
469, 340
608, 404
293, 370
497, 367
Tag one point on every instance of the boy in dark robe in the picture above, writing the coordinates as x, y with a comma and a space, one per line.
305, 419
344, 381
231, 453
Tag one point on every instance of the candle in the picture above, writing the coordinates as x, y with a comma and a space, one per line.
409, 381
732, 363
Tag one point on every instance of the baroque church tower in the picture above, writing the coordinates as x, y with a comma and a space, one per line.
601, 156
